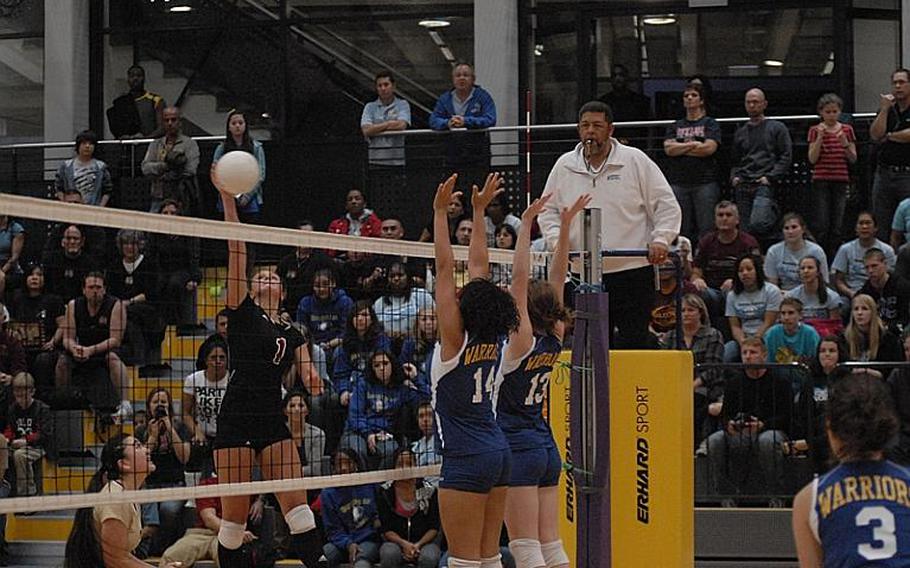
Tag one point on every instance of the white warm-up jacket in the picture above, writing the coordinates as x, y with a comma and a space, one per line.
637, 202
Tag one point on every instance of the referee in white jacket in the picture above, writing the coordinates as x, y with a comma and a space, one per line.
639, 211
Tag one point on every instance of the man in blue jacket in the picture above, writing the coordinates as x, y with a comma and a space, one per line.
466, 106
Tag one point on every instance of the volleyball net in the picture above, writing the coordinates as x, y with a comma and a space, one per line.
158, 368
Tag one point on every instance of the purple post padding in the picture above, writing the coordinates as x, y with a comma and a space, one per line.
591, 487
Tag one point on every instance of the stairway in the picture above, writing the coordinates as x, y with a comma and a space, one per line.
201, 109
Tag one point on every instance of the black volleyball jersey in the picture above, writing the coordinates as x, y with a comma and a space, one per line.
260, 351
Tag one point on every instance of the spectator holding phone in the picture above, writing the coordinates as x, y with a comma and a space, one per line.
168, 442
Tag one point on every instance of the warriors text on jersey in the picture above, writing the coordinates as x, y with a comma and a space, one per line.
464, 393
861, 515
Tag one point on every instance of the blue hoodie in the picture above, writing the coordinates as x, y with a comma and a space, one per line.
349, 514
325, 319
375, 407
422, 362
348, 364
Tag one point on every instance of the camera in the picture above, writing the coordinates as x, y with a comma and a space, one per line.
160, 412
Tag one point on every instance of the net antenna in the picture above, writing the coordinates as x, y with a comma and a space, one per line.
528, 148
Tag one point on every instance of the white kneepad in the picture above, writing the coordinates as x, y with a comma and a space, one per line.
554, 554
491, 562
230, 535
461, 563
300, 519
527, 553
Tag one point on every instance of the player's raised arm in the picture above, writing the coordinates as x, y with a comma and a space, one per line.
521, 339
236, 278
451, 328
559, 266
478, 255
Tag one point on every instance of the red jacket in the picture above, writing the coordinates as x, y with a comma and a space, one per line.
370, 226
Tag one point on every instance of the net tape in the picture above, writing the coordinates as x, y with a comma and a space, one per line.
80, 500
48, 210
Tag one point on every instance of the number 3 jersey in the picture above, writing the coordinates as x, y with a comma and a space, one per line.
464, 398
519, 409
260, 351
861, 515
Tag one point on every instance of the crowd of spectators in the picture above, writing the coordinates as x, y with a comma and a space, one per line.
757, 288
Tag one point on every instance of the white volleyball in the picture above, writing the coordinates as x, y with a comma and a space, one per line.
238, 172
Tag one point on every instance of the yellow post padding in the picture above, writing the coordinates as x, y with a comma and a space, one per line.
651, 458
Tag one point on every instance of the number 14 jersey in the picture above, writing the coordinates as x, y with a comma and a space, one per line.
524, 384
861, 515
464, 395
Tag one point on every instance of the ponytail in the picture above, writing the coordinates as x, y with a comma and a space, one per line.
83, 549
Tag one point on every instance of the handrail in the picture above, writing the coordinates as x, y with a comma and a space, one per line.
767, 365
424, 131
847, 365
127, 142
626, 124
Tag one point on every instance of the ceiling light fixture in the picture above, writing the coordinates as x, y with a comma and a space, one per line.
659, 20
433, 23
773, 63
180, 9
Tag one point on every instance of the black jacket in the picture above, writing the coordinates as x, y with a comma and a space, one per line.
424, 519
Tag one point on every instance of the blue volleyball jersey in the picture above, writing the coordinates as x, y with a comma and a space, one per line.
861, 515
463, 396
519, 409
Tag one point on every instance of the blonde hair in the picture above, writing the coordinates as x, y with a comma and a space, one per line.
24, 379
695, 301
854, 335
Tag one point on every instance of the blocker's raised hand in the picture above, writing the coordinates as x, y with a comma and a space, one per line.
568, 213
444, 193
493, 187
535, 209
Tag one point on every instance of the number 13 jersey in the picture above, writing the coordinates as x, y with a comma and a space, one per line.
464, 398
524, 385
861, 515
